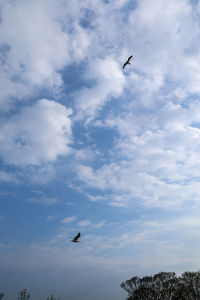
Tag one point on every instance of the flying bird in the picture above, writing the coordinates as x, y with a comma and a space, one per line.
75, 239
128, 61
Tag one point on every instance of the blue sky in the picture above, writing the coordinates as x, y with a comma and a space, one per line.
88, 147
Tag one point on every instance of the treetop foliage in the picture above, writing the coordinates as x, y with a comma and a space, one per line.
164, 286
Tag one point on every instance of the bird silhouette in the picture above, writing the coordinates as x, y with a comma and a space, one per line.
128, 61
75, 239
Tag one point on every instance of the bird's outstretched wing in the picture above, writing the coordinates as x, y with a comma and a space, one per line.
77, 236
130, 58
124, 65
75, 239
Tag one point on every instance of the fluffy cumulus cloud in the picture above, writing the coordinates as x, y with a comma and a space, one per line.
156, 153
109, 82
37, 133
165, 45
35, 45
157, 164
155, 160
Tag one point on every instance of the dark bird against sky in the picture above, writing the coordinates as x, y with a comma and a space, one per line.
75, 239
128, 61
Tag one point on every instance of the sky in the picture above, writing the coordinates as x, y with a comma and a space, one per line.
87, 146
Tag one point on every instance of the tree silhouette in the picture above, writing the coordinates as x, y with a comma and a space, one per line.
189, 286
23, 295
1, 296
164, 286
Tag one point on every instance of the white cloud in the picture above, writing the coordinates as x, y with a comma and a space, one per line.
42, 175
69, 203
110, 82
175, 57
118, 3
171, 65
37, 133
37, 41
84, 223
43, 200
162, 238
50, 218
95, 198
174, 32
67, 220
99, 224
157, 151
155, 160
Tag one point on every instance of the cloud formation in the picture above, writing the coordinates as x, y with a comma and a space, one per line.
67, 220
43, 200
109, 82
36, 134
35, 47
158, 161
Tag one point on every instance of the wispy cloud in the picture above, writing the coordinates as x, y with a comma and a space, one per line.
99, 224
67, 220
50, 218
84, 223
43, 200
87, 222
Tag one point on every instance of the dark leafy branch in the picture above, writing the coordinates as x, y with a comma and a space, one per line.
164, 286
